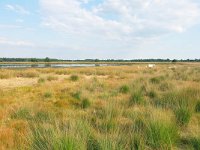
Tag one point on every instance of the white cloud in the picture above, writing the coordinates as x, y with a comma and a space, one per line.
120, 20
7, 42
18, 9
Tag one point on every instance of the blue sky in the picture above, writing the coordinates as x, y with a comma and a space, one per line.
80, 29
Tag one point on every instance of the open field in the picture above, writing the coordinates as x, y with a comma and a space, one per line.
101, 108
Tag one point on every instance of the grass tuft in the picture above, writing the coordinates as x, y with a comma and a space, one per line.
197, 107
74, 78
124, 89
161, 135
136, 98
183, 116
85, 103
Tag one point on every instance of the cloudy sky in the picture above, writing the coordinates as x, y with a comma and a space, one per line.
119, 29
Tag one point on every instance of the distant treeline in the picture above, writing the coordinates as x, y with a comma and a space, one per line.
94, 60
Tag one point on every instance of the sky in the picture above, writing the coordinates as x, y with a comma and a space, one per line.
102, 29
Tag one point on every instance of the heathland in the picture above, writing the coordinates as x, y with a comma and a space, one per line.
101, 108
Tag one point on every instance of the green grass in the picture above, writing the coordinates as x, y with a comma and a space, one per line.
183, 116
85, 103
48, 94
136, 98
124, 89
161, 135
22, 113
197, 107
74, 78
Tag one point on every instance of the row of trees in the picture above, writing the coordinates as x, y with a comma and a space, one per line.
93, 60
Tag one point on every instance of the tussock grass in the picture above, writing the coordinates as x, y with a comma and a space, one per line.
136, 98
197, 107
74, 77
161, 135
52, 78
124, 89
183, 116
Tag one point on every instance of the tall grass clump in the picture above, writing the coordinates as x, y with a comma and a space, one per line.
85, 103
136, 98
74, 78
42, 116
183, 116
66, 143
156, 80
124, 89
42, 138
41, 80
195, 142
48, 95
28, 74
77, 95
137, 143
197, 107
93, 143
161, 135
152, 94
52, 78
22, 113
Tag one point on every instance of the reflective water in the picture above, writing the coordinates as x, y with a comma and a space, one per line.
51, 65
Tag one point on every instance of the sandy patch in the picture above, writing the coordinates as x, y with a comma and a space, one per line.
17, 82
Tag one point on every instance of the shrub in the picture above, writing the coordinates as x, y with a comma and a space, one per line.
136, 98
197, 107
124, 89
161, 135
85, 103
183, 116
74, 77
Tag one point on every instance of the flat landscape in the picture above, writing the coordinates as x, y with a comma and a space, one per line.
101, 108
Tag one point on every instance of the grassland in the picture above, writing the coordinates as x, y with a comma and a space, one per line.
101, 108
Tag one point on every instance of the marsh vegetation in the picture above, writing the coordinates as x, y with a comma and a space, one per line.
101, 108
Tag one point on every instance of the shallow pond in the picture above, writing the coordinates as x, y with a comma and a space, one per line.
49, 65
